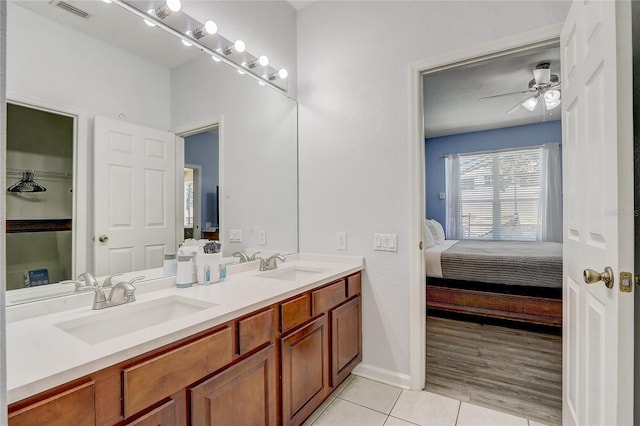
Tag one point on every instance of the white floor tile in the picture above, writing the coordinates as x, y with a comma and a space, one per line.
394, 421
341, 412
343, 385
472, 415
314, 416
371, 394
426, 409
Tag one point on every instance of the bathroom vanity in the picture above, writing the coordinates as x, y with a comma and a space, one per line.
258, 348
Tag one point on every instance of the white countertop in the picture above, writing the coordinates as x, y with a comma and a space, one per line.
41, 355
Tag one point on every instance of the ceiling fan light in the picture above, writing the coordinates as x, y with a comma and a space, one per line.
552, 95
551, 104
530, 103
542, 76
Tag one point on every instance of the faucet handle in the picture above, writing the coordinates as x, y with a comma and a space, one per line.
80, 285
107, 281
254, 255
88, 278
136, 279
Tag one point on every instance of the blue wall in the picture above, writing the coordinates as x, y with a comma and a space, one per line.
202, 149
508, 137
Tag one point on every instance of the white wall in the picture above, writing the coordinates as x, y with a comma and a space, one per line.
258, 151
52, 62
354, 136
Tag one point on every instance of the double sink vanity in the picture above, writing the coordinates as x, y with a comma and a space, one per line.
258, 348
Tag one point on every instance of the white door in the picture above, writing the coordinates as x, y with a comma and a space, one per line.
598, 213
135, 196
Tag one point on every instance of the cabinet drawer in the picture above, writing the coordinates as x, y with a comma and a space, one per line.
255, 330
354, 285
328, 297
70, 407
150, 381
294, 312
164, 415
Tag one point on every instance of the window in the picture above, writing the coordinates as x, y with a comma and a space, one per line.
495, 195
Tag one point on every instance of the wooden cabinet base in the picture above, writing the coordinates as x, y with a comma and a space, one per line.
244, 394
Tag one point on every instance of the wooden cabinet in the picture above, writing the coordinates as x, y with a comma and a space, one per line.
74, 406
148, 382
305, 370
161, 416
346, 339
273, 365
244, 394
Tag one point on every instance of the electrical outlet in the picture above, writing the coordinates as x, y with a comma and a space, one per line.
341, 240
262, 237
235, 235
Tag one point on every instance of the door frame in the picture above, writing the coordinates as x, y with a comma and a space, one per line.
182, 132
197, 198
417, 310
81, 244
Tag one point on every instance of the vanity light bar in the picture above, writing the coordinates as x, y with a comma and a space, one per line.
195, 42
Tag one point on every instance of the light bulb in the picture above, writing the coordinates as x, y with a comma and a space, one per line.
283, 73
174, 5
185, 42
239, 46
530, 103
215, 58
210, 27
551, 104
552, 95
107, 1
263, 60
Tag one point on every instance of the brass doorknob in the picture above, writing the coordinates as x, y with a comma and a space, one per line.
592, 277
103, 238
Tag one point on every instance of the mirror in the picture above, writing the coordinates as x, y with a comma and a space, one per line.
59, 63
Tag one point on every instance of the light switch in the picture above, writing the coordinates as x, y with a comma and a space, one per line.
262, 237
385, 242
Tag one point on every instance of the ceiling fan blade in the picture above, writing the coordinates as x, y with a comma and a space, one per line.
542, 76
505, 94
515, 107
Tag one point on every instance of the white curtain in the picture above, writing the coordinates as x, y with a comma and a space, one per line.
550, 206
453, 196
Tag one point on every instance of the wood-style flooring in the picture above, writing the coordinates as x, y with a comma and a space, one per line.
514, 371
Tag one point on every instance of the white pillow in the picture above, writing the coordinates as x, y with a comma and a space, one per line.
439, 236
434, 231
428, 236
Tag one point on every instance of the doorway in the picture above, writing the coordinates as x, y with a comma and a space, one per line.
547, 36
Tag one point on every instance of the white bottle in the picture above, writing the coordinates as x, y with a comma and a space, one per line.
184, 272
169, 265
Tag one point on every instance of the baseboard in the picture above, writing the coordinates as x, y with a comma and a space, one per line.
384, 376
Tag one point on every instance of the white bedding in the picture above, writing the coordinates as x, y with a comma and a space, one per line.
432, 258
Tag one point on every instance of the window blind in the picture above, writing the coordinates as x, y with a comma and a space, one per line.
498, 194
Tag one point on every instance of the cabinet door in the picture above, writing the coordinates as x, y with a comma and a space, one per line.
244, 394
71, 407
346, 340
305, 370
161, 416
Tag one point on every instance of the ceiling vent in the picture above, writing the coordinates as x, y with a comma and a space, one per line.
71, 8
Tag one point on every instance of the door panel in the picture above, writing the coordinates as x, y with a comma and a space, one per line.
135, 201
598, 201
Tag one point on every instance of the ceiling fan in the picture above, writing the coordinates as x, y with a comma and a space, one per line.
544, 86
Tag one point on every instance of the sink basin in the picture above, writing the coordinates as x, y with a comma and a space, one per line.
294, 273
118, 321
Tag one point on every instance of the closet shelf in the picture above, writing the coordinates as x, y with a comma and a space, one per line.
38, 225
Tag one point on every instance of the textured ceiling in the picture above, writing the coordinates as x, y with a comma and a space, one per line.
451, 97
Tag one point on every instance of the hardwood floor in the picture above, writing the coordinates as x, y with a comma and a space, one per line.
515, 371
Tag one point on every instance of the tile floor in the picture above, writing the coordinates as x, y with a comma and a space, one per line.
359, 401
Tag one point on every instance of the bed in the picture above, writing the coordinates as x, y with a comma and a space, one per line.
512, 280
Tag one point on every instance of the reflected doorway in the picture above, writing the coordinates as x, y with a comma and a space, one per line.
201, 180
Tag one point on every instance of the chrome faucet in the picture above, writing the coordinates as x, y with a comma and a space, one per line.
253, 256
85, 281
271, 262
242, 256
121, 293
